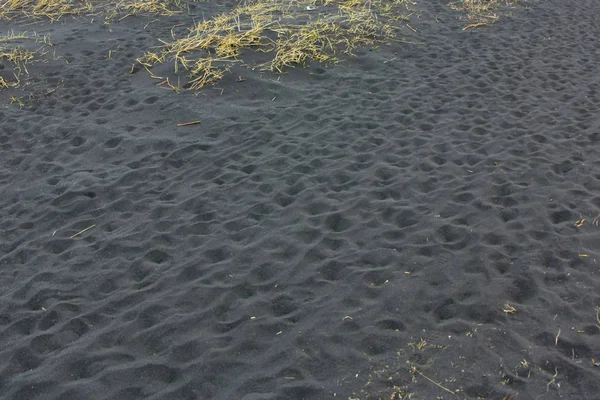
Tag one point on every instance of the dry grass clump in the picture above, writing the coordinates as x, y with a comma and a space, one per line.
480, 12
17, 57
51, 9
132, 7
287, 32
54, 10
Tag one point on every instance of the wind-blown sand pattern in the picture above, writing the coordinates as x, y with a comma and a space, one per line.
415, 221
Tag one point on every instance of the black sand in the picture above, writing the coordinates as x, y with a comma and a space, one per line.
343, 232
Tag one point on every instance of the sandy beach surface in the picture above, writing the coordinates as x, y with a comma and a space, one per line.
416, 221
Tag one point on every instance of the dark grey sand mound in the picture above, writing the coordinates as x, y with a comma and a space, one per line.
416, 221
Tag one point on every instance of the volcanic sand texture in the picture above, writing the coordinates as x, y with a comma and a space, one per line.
342, 230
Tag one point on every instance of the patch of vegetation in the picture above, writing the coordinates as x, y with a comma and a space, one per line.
55, 10
480, 12
50, 9
289, 32
17, 57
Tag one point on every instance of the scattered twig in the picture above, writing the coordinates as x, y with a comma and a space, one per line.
189, 123
80, 232
414, 369
167, 82
553, 381
471, 26
508, 309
